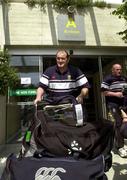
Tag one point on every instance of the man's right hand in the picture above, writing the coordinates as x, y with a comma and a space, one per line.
39, 96
116, 94
37, 100
119, 94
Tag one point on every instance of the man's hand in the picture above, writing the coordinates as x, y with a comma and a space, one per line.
79, 99
124, 115
37, 100
119, 94
116, 94
39, 96
82, 95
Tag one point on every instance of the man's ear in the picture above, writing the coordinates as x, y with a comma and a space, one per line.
68, 59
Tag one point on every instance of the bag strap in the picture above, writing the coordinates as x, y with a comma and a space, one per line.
40, 153
61, 99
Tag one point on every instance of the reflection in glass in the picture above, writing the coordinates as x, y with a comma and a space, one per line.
27, 67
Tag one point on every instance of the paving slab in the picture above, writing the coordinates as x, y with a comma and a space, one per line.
118, 170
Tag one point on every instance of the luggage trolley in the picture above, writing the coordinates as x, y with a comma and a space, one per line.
64, 160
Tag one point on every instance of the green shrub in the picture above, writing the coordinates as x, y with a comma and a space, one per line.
63, 4
8, 75
121, 12
100, 4
33, 3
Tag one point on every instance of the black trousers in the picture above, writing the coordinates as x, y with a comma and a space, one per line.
114, 109
123, 129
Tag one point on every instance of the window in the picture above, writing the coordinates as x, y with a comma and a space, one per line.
28, 67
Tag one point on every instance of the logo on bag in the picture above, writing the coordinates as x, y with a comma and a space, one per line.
45, 173
74, 147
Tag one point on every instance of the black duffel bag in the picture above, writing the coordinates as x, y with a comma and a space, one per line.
90, 140
60, 139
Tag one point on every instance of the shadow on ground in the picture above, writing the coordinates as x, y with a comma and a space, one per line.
120, 171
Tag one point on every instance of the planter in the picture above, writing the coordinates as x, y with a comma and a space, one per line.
2, 120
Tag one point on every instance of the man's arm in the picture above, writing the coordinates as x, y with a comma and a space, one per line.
105, 88
110, 93
39, 96
84, 93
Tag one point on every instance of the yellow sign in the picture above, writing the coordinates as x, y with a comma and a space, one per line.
70, 28
71, 23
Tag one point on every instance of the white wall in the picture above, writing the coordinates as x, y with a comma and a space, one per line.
34, 27
2, 37
114, 1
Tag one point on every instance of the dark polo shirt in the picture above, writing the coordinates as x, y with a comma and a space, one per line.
57, 84
114, 84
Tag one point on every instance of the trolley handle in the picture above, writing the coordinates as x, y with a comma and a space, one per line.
59, 106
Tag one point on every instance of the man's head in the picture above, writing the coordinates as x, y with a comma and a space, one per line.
62, 59
116, 69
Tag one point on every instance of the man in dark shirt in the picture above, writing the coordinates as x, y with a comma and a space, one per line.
62, 79
112, 89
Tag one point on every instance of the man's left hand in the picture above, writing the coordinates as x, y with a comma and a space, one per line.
79, 99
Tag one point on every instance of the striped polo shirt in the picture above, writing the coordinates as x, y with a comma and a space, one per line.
114, 84
58, 84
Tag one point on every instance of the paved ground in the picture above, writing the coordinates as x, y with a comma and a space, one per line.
119, 168
117, 172
5, 152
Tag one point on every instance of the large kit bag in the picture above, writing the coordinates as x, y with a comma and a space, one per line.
62, 138
30, 168
62, 150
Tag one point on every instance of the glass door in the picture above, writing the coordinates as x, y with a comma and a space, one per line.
20, 99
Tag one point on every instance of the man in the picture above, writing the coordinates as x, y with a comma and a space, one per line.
62, 79
112, 89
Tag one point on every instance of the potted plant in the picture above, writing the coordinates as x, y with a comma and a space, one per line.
8, 78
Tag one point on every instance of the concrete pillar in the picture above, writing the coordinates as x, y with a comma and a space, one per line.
2, 33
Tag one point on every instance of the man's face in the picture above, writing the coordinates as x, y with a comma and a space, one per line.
61, 59
117, 70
